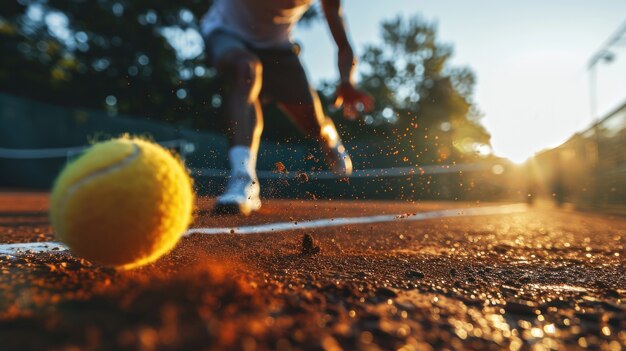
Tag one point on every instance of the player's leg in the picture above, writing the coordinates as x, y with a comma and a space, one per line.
242, 71
311, 120
286, 81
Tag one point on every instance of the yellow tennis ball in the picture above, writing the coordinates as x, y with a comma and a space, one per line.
124, 203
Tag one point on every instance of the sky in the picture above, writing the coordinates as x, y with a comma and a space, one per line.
530, 58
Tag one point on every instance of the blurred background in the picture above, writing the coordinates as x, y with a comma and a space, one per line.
488, 101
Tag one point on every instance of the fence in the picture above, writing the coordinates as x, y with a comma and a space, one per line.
590, 168
37, 140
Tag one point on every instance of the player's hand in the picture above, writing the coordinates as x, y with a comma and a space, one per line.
354, 101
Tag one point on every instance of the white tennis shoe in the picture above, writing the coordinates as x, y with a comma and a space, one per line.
337, 156
241, 196
338, 159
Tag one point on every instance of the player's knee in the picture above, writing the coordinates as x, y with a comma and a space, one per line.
248, 70
244, 67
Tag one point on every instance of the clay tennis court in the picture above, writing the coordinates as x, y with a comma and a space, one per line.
432, 275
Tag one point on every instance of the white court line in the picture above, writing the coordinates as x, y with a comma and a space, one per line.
357, 173
43, 247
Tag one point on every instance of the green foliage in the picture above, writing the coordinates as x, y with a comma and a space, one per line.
110, 54
425, 112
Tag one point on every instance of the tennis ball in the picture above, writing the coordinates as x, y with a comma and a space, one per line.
123, 203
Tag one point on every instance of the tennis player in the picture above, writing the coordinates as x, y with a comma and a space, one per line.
250, 43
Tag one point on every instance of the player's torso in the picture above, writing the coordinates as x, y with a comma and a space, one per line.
264, 22
277, 12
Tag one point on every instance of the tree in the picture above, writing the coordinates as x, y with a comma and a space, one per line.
135, 57
425, 111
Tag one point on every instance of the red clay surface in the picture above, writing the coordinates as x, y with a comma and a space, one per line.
542, 279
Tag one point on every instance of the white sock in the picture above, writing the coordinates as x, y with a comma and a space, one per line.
242, 161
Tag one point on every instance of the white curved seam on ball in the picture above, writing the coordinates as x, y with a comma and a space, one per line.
98, 173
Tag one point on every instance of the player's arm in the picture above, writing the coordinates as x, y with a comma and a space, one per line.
347, 94
346, 60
